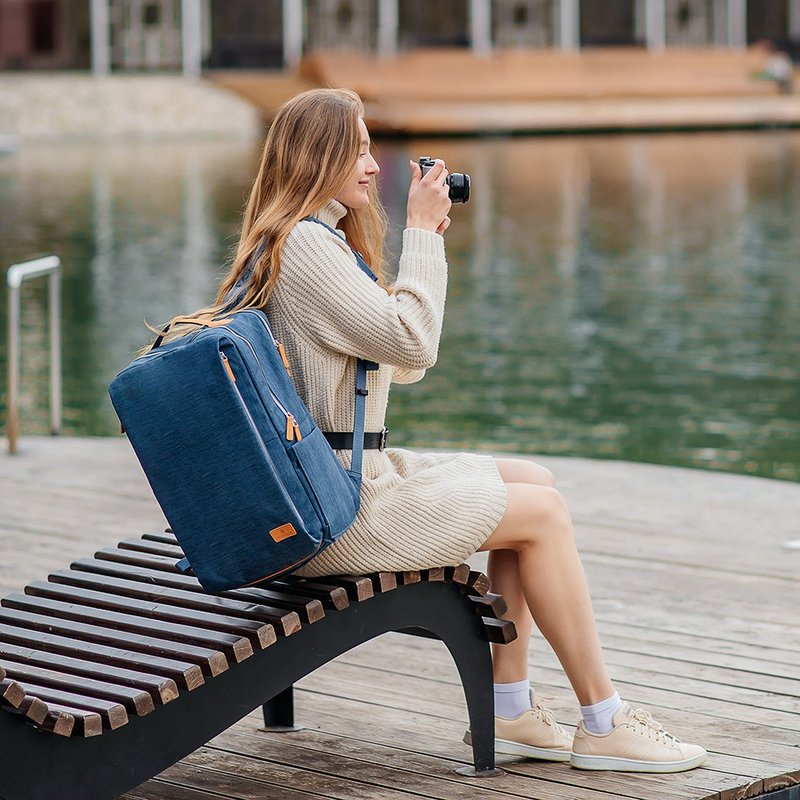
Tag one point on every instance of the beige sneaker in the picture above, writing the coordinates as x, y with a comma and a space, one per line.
637, 743
534, 734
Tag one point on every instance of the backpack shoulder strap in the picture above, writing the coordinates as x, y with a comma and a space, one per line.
362, 367
363, 266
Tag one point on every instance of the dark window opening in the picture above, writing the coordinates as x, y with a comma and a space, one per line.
43, 25
344, 15
520, 15
152, 15
684, 15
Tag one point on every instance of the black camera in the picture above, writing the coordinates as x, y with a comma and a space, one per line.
457, 181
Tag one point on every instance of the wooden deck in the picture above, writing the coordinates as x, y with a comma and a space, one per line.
452, 91
696, 596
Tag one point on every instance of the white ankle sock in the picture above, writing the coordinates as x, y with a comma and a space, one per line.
599, 717
511, 699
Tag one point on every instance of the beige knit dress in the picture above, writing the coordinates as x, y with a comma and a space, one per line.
417, 510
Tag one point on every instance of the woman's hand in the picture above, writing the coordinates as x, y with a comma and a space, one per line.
428, 198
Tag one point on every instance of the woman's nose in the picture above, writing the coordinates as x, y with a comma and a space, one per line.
372, 167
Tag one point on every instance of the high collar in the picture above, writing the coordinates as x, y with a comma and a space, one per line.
331, 213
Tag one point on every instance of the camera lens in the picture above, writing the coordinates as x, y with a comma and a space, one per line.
459, 184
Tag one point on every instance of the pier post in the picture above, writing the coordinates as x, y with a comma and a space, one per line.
388, 24
101, 39
737, 23
569, 26
191, 38
292, 32
794, 19
480, 26
655, 25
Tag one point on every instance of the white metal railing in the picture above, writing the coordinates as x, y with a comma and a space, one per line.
17, 273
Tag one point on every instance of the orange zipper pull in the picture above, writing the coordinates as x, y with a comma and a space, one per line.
292, 429
227, 365
283, 357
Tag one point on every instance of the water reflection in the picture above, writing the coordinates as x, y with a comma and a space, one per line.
627, 297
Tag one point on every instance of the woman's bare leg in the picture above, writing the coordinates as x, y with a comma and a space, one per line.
534, 563
511, 660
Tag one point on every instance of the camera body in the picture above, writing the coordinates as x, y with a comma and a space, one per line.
458, 182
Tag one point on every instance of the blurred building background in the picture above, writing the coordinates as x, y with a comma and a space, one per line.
110, 35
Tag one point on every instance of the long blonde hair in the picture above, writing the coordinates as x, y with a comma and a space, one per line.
311, 149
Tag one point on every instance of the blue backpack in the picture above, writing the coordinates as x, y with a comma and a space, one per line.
249, 484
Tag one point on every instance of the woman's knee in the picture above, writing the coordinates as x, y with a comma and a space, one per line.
549, 513
534, 514
517, 470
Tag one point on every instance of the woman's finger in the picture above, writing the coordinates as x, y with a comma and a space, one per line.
434, 174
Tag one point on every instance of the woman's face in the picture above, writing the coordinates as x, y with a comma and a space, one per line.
355, 192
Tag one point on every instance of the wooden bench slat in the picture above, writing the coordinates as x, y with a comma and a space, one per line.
11, 693
459, 574
87, 723
58, 722
230, 644
258, 633
161, 689
100, 566
113, 714
331, 596
285, 622
383, 581
309, 609
185, 674
489, 605
31, 708
165, 538
212, 662
408, 577
165, 564
155, 548
358, 587
499, 631
433, 574
135, 700
479, 582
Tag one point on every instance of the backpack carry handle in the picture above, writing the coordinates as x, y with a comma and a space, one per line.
214, 323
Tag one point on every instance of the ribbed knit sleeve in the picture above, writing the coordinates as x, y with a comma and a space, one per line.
407, 375
340, 308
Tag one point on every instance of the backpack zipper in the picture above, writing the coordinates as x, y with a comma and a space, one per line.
292, 428
277, 344
229, 370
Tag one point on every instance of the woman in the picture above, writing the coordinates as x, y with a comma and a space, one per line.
417, 510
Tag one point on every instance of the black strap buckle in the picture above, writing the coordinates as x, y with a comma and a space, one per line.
384, 436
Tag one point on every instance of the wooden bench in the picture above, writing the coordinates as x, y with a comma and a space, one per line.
118, 667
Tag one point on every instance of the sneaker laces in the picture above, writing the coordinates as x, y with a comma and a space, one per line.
546, 715
643, 723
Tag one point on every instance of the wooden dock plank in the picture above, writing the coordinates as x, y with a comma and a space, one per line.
697, 615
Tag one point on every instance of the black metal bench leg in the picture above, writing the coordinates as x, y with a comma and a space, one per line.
480, 706
279, 713
475, 669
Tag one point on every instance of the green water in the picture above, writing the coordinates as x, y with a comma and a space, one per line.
633, 297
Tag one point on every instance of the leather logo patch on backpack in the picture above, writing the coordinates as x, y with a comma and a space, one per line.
283, 532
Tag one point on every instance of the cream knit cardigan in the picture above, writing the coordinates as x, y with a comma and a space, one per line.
417, 510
